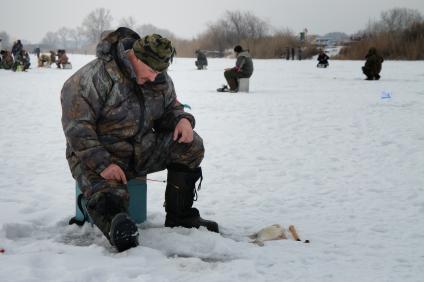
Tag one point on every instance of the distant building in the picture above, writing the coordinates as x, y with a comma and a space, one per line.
216, 54
324, 42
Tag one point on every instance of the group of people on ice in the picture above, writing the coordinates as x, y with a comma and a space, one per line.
371, 69
122, 120
15, 60
244, 66
47, 59
242, 69
18, 58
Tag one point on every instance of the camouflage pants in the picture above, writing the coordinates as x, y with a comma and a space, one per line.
106, 198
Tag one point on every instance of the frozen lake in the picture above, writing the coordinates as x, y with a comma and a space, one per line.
317, 148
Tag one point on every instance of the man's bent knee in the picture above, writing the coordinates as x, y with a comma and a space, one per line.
189, 154
108, 203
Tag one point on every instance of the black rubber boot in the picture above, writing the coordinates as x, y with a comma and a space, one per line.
109, 213
224, 88
123, 232
179, 196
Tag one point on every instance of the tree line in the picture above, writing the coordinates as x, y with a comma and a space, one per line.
233, 28
248, 30
397, 35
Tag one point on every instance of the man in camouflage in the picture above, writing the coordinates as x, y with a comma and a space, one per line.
372, 66
22, 61
121, 119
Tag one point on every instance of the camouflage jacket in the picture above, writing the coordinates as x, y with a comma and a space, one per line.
7, 60
106, 114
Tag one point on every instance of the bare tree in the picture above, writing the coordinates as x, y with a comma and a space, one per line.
399, 34
232, 29
245, 25
214, 38
95, 23
51, 39
5, 40
399, 19
129, 22
255, 27
77, 36
63, 35
235, 25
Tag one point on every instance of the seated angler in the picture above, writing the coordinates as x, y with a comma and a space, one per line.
62, 59
7, 61
322, 59
242, 69
201, 61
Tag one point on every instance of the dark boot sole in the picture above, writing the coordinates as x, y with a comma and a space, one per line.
123, 233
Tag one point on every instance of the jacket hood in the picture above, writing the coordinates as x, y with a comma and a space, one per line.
244, 53
107, 47
114, 45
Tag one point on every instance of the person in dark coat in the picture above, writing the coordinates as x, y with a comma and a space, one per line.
62, 59
201, 61
16, 48
242, 69
22, 61
322, 59
37, 52
373, 64
122, 120
7, 60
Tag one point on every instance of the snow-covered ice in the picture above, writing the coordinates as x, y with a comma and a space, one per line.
317, 148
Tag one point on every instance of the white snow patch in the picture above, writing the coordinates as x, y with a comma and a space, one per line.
317, 148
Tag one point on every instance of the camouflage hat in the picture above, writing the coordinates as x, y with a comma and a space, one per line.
155, 51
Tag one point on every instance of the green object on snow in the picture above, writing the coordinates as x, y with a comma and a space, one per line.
186, 106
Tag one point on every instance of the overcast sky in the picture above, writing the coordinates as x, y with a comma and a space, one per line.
31, 20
